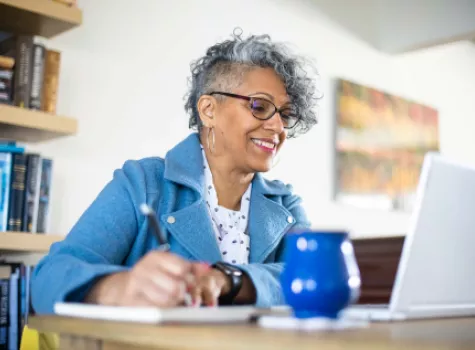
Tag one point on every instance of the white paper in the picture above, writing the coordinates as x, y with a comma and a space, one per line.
154, 315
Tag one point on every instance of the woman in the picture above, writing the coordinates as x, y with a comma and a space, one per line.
224, 222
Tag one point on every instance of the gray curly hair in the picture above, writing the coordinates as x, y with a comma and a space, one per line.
225, 63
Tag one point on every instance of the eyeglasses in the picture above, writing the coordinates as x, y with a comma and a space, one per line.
264, 109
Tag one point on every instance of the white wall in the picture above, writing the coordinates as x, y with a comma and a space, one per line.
124, 75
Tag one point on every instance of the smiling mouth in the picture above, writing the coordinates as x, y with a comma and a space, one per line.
265, 145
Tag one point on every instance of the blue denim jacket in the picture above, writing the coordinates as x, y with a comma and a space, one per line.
112, 235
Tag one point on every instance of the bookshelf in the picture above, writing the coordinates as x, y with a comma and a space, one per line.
38, 17
30, 71
22, 242
47, 19
28, 125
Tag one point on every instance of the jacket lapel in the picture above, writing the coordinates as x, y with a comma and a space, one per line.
268, 220
191, 228
186, 215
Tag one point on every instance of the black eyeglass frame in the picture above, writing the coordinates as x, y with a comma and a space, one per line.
250, 98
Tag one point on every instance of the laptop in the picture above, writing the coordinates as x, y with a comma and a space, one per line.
436, 271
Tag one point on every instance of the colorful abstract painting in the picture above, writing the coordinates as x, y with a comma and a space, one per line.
381, 140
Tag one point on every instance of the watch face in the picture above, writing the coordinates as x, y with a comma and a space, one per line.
230, 269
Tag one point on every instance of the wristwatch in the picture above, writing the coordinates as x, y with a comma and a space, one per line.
234, 275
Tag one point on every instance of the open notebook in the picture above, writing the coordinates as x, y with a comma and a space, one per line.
152, 315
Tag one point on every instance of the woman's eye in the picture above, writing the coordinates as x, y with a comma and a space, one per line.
258, 106
287, 114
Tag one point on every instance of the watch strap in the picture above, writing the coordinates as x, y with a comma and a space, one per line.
234, 274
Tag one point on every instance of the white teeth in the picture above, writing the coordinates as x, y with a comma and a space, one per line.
263, 143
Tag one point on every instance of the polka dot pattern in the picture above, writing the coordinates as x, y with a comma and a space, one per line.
230, 226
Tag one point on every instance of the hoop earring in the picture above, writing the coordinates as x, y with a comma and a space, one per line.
211, 149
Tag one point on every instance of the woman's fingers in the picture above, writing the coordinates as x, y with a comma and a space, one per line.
200, 269
168, 262
206, 292
159, 278
210, 291
195, 294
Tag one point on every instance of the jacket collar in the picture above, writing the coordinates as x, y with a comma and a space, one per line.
184, 163
268, 220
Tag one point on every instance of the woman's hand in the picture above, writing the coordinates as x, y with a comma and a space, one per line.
210, 284
159, 279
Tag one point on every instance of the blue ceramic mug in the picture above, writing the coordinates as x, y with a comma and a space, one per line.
321, 276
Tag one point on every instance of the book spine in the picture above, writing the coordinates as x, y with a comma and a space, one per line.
5, 179
14, 308
36, 87
36, 200
21, 93
17, 192
51, 81
22, 296
31, 191
4, 307
6, 85
28, 293
45, 190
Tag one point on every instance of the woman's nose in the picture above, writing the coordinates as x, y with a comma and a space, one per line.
275, 123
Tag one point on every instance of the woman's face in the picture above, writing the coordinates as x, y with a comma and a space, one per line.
249, 142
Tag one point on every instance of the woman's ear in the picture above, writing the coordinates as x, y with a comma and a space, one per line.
206, 108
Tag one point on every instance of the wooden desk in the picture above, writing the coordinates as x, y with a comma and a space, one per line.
99, 335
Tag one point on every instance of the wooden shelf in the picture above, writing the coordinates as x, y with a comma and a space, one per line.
28, 125
27, 242
45, 18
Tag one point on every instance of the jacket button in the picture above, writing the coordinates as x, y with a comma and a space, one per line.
171, 220
290, 219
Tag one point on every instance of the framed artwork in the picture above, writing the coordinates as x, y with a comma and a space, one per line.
381, 140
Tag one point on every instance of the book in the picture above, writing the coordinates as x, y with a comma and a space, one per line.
14, 307
5, 273
5, 179
37, 75
32, 189
24, 53
50, 81
17, 192
44, 196
19, 48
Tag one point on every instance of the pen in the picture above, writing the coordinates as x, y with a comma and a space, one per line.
164, 245
152, 220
